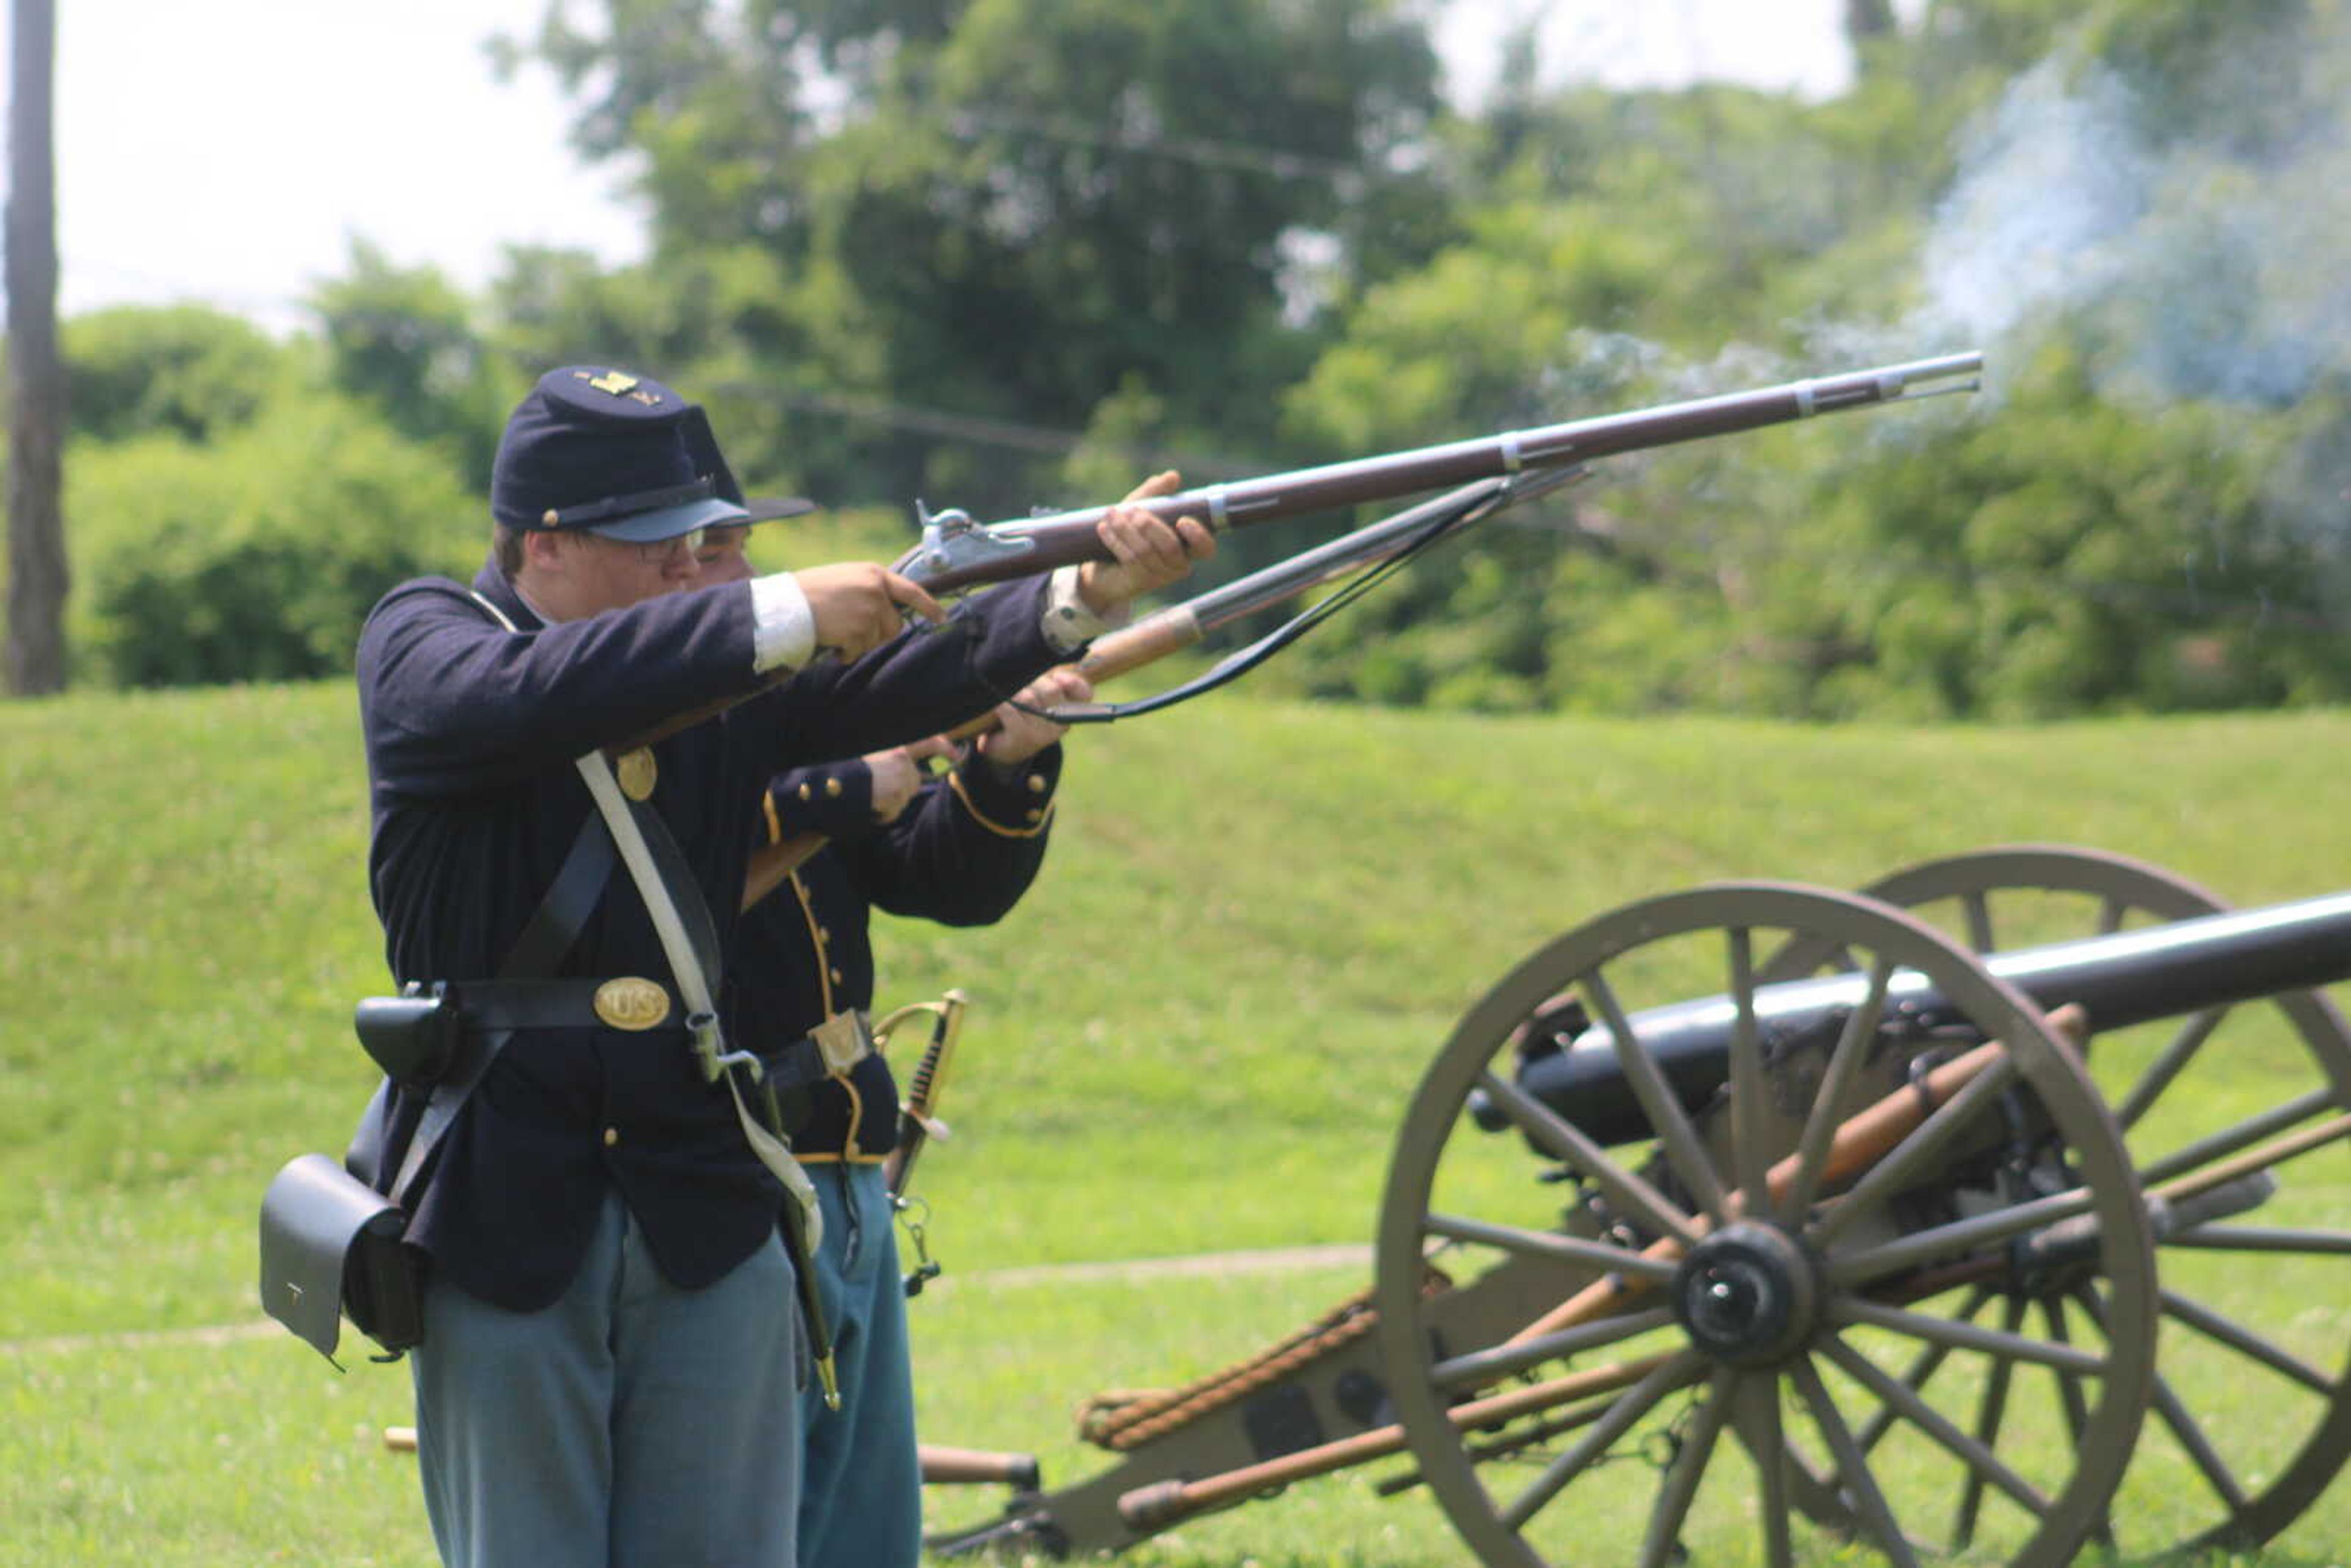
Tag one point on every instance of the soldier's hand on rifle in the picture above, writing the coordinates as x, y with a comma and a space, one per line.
898, 773
857, 605
1149, 553
1019, 735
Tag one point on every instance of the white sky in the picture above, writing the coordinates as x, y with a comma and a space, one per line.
224, 151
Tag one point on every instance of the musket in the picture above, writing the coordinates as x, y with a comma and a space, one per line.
1176, 627
956, 552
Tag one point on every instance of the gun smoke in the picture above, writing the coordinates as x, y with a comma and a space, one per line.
2211, 267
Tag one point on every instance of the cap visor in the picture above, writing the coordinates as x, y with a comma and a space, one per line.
651, 527
767, 508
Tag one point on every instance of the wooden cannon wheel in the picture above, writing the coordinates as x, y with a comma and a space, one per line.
1741, 1303
2252, 1393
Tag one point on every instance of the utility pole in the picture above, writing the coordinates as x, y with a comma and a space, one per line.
36, 383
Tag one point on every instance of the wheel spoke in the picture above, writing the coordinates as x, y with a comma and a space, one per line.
1821, 1126
1851, 1467
1978, 904
1959, 1235
1978, 1459
2199, 1448
1565, 1141
2245, 1341
1479, 1367
1756, 1400
2184, 1427
2244, 1134
1990, 1412
1839, 960
2264, 1239
2005, 1343
2174, 1059
1687, 1469
2069, 1387
2255, 1161
1916, 1376
1904, 1162
1684, 1154
2076, 1404
1637, 1401
1601, 1254
1749, 1167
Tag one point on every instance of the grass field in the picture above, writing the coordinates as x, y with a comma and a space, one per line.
1258, 922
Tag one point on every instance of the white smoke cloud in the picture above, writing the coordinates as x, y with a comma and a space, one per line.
2215, 265
2042, 215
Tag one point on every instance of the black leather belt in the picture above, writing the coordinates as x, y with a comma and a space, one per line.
837, 1045
795, 1066
629, 1003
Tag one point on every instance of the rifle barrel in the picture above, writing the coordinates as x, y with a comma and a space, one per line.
947, 560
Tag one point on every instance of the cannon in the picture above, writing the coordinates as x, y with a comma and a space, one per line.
1857, 1220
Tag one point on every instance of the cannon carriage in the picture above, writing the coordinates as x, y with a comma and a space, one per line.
1995, 1211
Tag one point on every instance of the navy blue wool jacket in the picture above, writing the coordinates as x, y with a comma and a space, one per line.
471, 731
961, 853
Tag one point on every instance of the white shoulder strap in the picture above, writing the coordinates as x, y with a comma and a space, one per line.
693, 985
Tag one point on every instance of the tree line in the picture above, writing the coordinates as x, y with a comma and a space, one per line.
1003, 254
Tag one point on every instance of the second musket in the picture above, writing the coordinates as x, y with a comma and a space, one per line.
1174, 627
956, 552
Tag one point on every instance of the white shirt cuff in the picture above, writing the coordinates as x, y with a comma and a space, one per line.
783, 634
1070, 625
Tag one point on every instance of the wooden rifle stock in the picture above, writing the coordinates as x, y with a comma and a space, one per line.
958, 553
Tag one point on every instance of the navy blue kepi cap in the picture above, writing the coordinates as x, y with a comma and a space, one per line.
619, 454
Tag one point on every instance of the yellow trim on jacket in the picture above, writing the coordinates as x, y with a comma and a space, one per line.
955, 782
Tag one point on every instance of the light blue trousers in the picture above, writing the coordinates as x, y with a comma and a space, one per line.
860, 1497
632, 1425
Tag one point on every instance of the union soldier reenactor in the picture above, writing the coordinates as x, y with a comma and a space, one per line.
610, 1356
959, 849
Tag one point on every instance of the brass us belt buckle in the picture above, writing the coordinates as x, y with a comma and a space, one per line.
632, 1003
843, 1041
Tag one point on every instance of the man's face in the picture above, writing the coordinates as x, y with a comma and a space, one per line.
721, 556
585, 573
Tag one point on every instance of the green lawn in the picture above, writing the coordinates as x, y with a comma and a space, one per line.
1259, 922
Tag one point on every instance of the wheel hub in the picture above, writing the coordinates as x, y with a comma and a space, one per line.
1747, 1294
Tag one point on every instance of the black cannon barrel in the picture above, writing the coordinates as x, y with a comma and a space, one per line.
2129, 977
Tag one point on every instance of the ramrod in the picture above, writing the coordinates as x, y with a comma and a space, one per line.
2129, 977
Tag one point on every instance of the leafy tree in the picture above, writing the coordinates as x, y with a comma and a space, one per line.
403, 340
256, 556
1004, 209
2066, 555
183, 369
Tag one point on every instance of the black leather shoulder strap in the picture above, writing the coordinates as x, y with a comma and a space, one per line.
571, 898
413, 1133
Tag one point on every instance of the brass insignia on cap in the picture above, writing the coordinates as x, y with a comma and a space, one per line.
617, 382
632, 1003
637, 772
